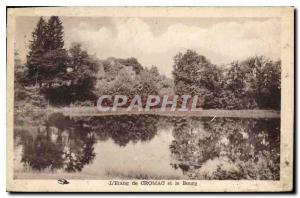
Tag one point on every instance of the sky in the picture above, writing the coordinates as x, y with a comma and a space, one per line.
155, 41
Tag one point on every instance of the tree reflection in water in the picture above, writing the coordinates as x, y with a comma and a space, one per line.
223, 148
68, 144
39, 152
226, 148
61, 143
125, 129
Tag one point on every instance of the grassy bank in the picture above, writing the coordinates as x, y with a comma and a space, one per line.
93, 111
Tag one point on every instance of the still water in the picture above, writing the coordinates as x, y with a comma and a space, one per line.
148, 147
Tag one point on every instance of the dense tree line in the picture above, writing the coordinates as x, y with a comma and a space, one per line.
65, 76
250, 84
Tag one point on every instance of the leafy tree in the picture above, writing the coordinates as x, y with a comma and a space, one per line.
133, 62
252, 83
195, 75
83, 73
249, 84
269, 88
53, 68
77, 81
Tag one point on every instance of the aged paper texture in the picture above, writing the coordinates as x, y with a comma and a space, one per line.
150, 99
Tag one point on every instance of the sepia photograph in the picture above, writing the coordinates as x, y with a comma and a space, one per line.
150, 99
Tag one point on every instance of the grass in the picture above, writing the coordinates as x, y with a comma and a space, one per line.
93, 111
108, 175
138, 175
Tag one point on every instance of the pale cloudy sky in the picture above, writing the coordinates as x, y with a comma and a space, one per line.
155, 41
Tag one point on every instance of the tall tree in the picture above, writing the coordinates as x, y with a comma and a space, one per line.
36, 51
82, 70
56, 57
55, 33
47, 58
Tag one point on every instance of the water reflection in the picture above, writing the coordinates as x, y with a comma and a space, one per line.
123, 129
151, 147
227, 148
61, 143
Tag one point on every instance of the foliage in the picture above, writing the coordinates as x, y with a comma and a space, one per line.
63, 77
19, 92
54, 35
46, 59
253, 83
132, 62
195, 75
37, 49
69, 76
77, 82
116, 78
146, 83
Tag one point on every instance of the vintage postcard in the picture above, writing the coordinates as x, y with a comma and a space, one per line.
150, 99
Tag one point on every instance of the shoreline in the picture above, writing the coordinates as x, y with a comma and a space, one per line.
93, 111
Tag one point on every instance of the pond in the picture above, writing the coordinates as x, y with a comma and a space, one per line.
148, 147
